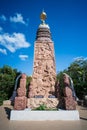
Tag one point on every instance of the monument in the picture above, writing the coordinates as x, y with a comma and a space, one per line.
42, 88
44, 71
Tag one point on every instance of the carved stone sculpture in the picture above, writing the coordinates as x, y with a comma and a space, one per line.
21, 100
44, 72
69, 100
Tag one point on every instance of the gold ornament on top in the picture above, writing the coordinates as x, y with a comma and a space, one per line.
43, 17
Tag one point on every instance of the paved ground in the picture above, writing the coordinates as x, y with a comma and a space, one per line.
6, 124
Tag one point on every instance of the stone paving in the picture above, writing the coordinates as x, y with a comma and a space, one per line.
6, 124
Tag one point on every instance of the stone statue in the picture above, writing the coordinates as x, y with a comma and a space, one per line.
20, 102
69, 98
69, 82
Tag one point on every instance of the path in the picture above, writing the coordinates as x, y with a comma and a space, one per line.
6, 124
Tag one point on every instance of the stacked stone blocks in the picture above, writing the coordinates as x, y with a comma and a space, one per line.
69, 100
21, 99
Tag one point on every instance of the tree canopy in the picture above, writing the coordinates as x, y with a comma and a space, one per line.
7, 81
8, 77
78, 72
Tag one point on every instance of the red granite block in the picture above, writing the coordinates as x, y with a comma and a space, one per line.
22, 83
70, 103
67, 92
21, 92
20, 103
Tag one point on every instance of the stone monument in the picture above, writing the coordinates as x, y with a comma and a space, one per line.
42, 87
20, 102
69, 93
44, 71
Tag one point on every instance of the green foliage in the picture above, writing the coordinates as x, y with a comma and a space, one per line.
3, 96
60, 79
7, 82
29, 78
41, 107
78, 72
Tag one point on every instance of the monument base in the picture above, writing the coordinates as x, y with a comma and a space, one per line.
36, 102
7, 102
26, 115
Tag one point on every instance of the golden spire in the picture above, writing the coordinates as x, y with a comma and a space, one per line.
43, 16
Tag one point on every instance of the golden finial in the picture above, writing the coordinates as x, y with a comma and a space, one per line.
43, 16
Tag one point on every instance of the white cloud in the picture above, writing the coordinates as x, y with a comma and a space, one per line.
2, 17
23, 57
18, 18
81, 58
14, 41
3, 51
78, 58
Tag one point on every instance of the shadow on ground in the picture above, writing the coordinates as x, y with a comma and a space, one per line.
83, 118
8, 111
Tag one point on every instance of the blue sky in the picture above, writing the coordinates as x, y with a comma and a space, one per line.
19, 21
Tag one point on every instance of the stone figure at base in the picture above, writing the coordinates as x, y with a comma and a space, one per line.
69, 93
67, 96
70, 84
20, 102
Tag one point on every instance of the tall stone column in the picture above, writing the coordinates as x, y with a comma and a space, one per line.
44, 71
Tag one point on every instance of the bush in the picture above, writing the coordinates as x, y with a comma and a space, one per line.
3, 96
7, 82
41, 107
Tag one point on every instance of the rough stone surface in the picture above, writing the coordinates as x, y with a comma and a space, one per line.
66, 80
21, 91
7, 102
22, 82
23, 76
67, 92
57, 89
44, 73
36, 102
69, 101
20, 103
21, 100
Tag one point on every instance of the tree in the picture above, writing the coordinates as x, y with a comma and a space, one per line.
8, 77
29, 78
7, 81
78, 72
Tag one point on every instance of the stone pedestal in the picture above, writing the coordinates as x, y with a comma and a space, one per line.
21, 100
20, 103
27, 115
50, 103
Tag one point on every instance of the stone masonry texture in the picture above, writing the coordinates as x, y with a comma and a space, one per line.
69, 101
44, 72
21, 99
